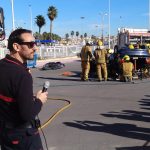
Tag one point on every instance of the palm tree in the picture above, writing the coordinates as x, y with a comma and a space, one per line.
72, 33
81, 36
40, 21
77, 34
45, 36
67, 37
85, 35
52, 14
36, 35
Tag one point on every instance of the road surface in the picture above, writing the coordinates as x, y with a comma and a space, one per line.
103, 116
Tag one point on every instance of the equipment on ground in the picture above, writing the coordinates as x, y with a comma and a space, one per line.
53, 66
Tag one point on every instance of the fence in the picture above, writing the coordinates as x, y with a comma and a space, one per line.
3, 52
47, 52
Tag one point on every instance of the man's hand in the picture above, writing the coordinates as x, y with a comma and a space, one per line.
42, 96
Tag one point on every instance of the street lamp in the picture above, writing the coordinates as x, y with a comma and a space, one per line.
20, 23
102, 24
82, 24
30, 17
149, 15
120, 18
13, 20
109, 25
96, 26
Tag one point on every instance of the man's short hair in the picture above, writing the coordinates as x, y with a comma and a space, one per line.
15, 37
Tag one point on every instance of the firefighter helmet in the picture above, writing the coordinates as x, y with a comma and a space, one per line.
131, 46
99, 43
126, 58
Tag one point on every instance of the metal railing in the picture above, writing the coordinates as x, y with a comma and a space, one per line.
3, 52
47, 52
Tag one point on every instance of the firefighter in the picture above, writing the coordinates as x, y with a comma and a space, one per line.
147, 46
127, 69
100, 55
86, 56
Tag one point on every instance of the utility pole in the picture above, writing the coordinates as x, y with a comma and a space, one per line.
102, 25
109, 26
82, 32
30, 17
149, 16
13, 20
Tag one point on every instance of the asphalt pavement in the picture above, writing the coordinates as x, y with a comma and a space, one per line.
103, 115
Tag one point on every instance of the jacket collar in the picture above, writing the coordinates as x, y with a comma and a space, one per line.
15, 61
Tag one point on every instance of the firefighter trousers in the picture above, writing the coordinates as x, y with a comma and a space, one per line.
85, 70
101, 69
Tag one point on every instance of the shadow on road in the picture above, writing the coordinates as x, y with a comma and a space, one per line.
62, 79
121, 129
145, 102
134, 148
130, 115
76, 74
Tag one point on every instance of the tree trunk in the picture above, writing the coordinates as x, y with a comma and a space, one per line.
39, 30
51, 30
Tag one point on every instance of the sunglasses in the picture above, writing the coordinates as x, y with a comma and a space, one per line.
29, 44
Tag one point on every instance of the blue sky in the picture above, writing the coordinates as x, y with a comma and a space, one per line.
124, 13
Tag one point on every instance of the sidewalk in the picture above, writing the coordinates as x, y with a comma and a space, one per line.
40, 63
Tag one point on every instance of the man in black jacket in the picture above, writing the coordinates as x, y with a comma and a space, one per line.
18, 106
